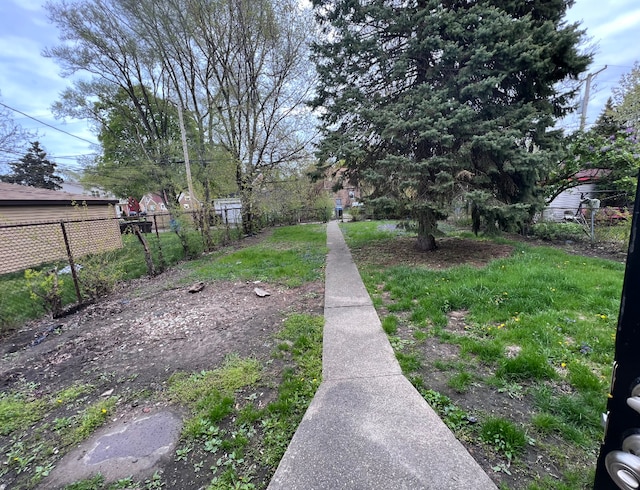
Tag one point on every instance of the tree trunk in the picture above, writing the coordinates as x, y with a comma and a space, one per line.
147, 253
248, 217
427, 225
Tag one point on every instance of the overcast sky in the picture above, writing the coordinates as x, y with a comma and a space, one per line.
30, 83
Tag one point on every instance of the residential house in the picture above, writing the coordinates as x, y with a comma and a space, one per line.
347, 195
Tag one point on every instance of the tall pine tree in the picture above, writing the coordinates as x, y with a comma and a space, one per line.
424, 98
34, 169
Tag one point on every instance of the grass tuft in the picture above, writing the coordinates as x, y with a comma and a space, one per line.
526, 365
504, 436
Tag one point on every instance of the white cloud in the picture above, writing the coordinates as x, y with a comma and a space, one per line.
620, 24
33, 5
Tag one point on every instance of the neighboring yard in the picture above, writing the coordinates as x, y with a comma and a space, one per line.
510, 342
242, 368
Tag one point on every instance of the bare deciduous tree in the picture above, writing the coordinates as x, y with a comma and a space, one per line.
239, 68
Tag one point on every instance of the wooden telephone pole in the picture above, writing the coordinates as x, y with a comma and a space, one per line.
585, 99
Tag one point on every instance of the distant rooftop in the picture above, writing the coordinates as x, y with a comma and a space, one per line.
22, 195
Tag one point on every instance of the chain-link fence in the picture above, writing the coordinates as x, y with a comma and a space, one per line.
27, 245
603, 225
30, 244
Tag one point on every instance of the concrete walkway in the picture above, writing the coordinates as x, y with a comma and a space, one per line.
367, 427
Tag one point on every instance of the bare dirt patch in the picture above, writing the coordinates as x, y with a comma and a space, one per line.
152, 328
129, 343
450, 252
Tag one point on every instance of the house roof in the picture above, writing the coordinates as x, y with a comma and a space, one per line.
590, 174
22, 195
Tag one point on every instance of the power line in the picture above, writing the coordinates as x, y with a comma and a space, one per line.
48, 125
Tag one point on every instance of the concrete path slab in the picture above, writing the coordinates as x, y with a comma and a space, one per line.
367, 427
359, 326
375, 434
135, 448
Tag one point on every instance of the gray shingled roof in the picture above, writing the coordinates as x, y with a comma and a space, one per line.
22, 195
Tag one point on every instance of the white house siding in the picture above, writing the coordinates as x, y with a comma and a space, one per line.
567, 202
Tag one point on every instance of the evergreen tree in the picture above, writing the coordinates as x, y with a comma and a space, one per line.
34, 169
423, 99
606, 124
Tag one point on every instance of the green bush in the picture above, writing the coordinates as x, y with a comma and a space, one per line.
547, 230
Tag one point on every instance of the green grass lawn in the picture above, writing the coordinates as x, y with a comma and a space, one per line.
539, 324
291, 255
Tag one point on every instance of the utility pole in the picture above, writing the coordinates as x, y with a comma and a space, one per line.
185, 149
585, 100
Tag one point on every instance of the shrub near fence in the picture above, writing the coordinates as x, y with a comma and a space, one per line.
610, 226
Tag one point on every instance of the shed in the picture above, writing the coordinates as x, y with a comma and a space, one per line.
32, 221
229, 209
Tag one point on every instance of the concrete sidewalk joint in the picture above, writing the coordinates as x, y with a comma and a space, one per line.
367, 427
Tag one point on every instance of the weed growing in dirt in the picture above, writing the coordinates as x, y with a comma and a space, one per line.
453, 416
390, 324
536, 329
460, 382
193, 389
31, 449
231, 432
93, 417
504, 436
298, 385
18, 411
97, 483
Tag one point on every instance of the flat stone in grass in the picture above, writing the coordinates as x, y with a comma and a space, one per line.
133, 448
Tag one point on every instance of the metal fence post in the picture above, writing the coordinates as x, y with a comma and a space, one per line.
72, 264
161, 257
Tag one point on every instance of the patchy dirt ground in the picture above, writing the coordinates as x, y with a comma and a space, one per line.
136, 338
451, 252
151, 328
131, 342
479, 399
